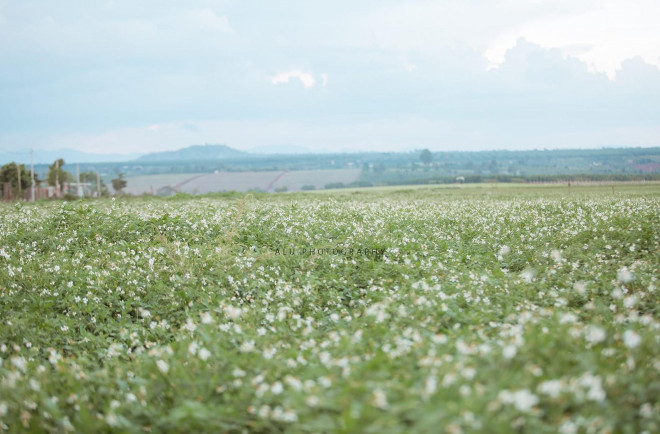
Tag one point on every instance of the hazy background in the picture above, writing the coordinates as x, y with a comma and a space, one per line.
127, 76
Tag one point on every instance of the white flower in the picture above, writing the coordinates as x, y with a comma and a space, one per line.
206, 318
430, 385
624, 275
277, 388
528, 275
3, 408
551, 388
556, 256
163, 366
630, 301
247, 346
595, 335
111, 419
580, 287
232, 312
504, 250
204, 354
19, 362
192, 348
190, 325
631, 339
523, 399
379, 399
509, 352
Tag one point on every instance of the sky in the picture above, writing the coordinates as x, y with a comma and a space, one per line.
132, 76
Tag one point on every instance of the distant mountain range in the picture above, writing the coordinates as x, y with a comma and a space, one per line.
48, 156
196, 152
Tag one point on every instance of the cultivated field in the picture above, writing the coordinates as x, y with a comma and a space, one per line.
201, 183
400, 310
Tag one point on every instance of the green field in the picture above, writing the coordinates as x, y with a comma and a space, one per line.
485, 308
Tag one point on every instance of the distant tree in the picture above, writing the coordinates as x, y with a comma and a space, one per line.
9, 173
426, 157
308, 187
56, 173
90, 177
119, 183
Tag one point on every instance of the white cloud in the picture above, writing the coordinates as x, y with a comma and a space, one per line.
601, 33
306, 78
603, 37
324, 77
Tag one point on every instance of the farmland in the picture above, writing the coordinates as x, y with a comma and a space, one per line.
388, 310
269, 180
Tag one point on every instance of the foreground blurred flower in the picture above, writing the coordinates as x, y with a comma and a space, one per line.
163, 366
631, 339
379, 399
624, 275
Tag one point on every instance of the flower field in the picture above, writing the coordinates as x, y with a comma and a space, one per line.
322, 313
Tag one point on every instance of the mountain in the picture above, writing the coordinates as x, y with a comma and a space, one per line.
47, 156
196, 152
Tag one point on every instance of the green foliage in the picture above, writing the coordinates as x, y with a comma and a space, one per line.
527, 310
426, 157
9, 173
119, 183
57, 174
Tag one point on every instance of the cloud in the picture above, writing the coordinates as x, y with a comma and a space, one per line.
603, 37
108, 72
306, 78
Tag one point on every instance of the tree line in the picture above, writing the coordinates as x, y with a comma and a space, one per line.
64, 184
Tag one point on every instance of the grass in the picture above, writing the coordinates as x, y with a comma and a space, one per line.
491, 309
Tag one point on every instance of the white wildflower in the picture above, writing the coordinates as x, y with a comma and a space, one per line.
552, 388
556, 256
379, 399
631, 339
624, 275
233, 313
595, 335
204, 354
509, 352
163, 366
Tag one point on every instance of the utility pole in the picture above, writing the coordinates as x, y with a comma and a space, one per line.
98, 184
18, 168
57, 178
80, 193
32, 172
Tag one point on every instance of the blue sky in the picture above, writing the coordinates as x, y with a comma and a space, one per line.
129, 76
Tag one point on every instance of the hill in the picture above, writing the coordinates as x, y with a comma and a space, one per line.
196, 152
